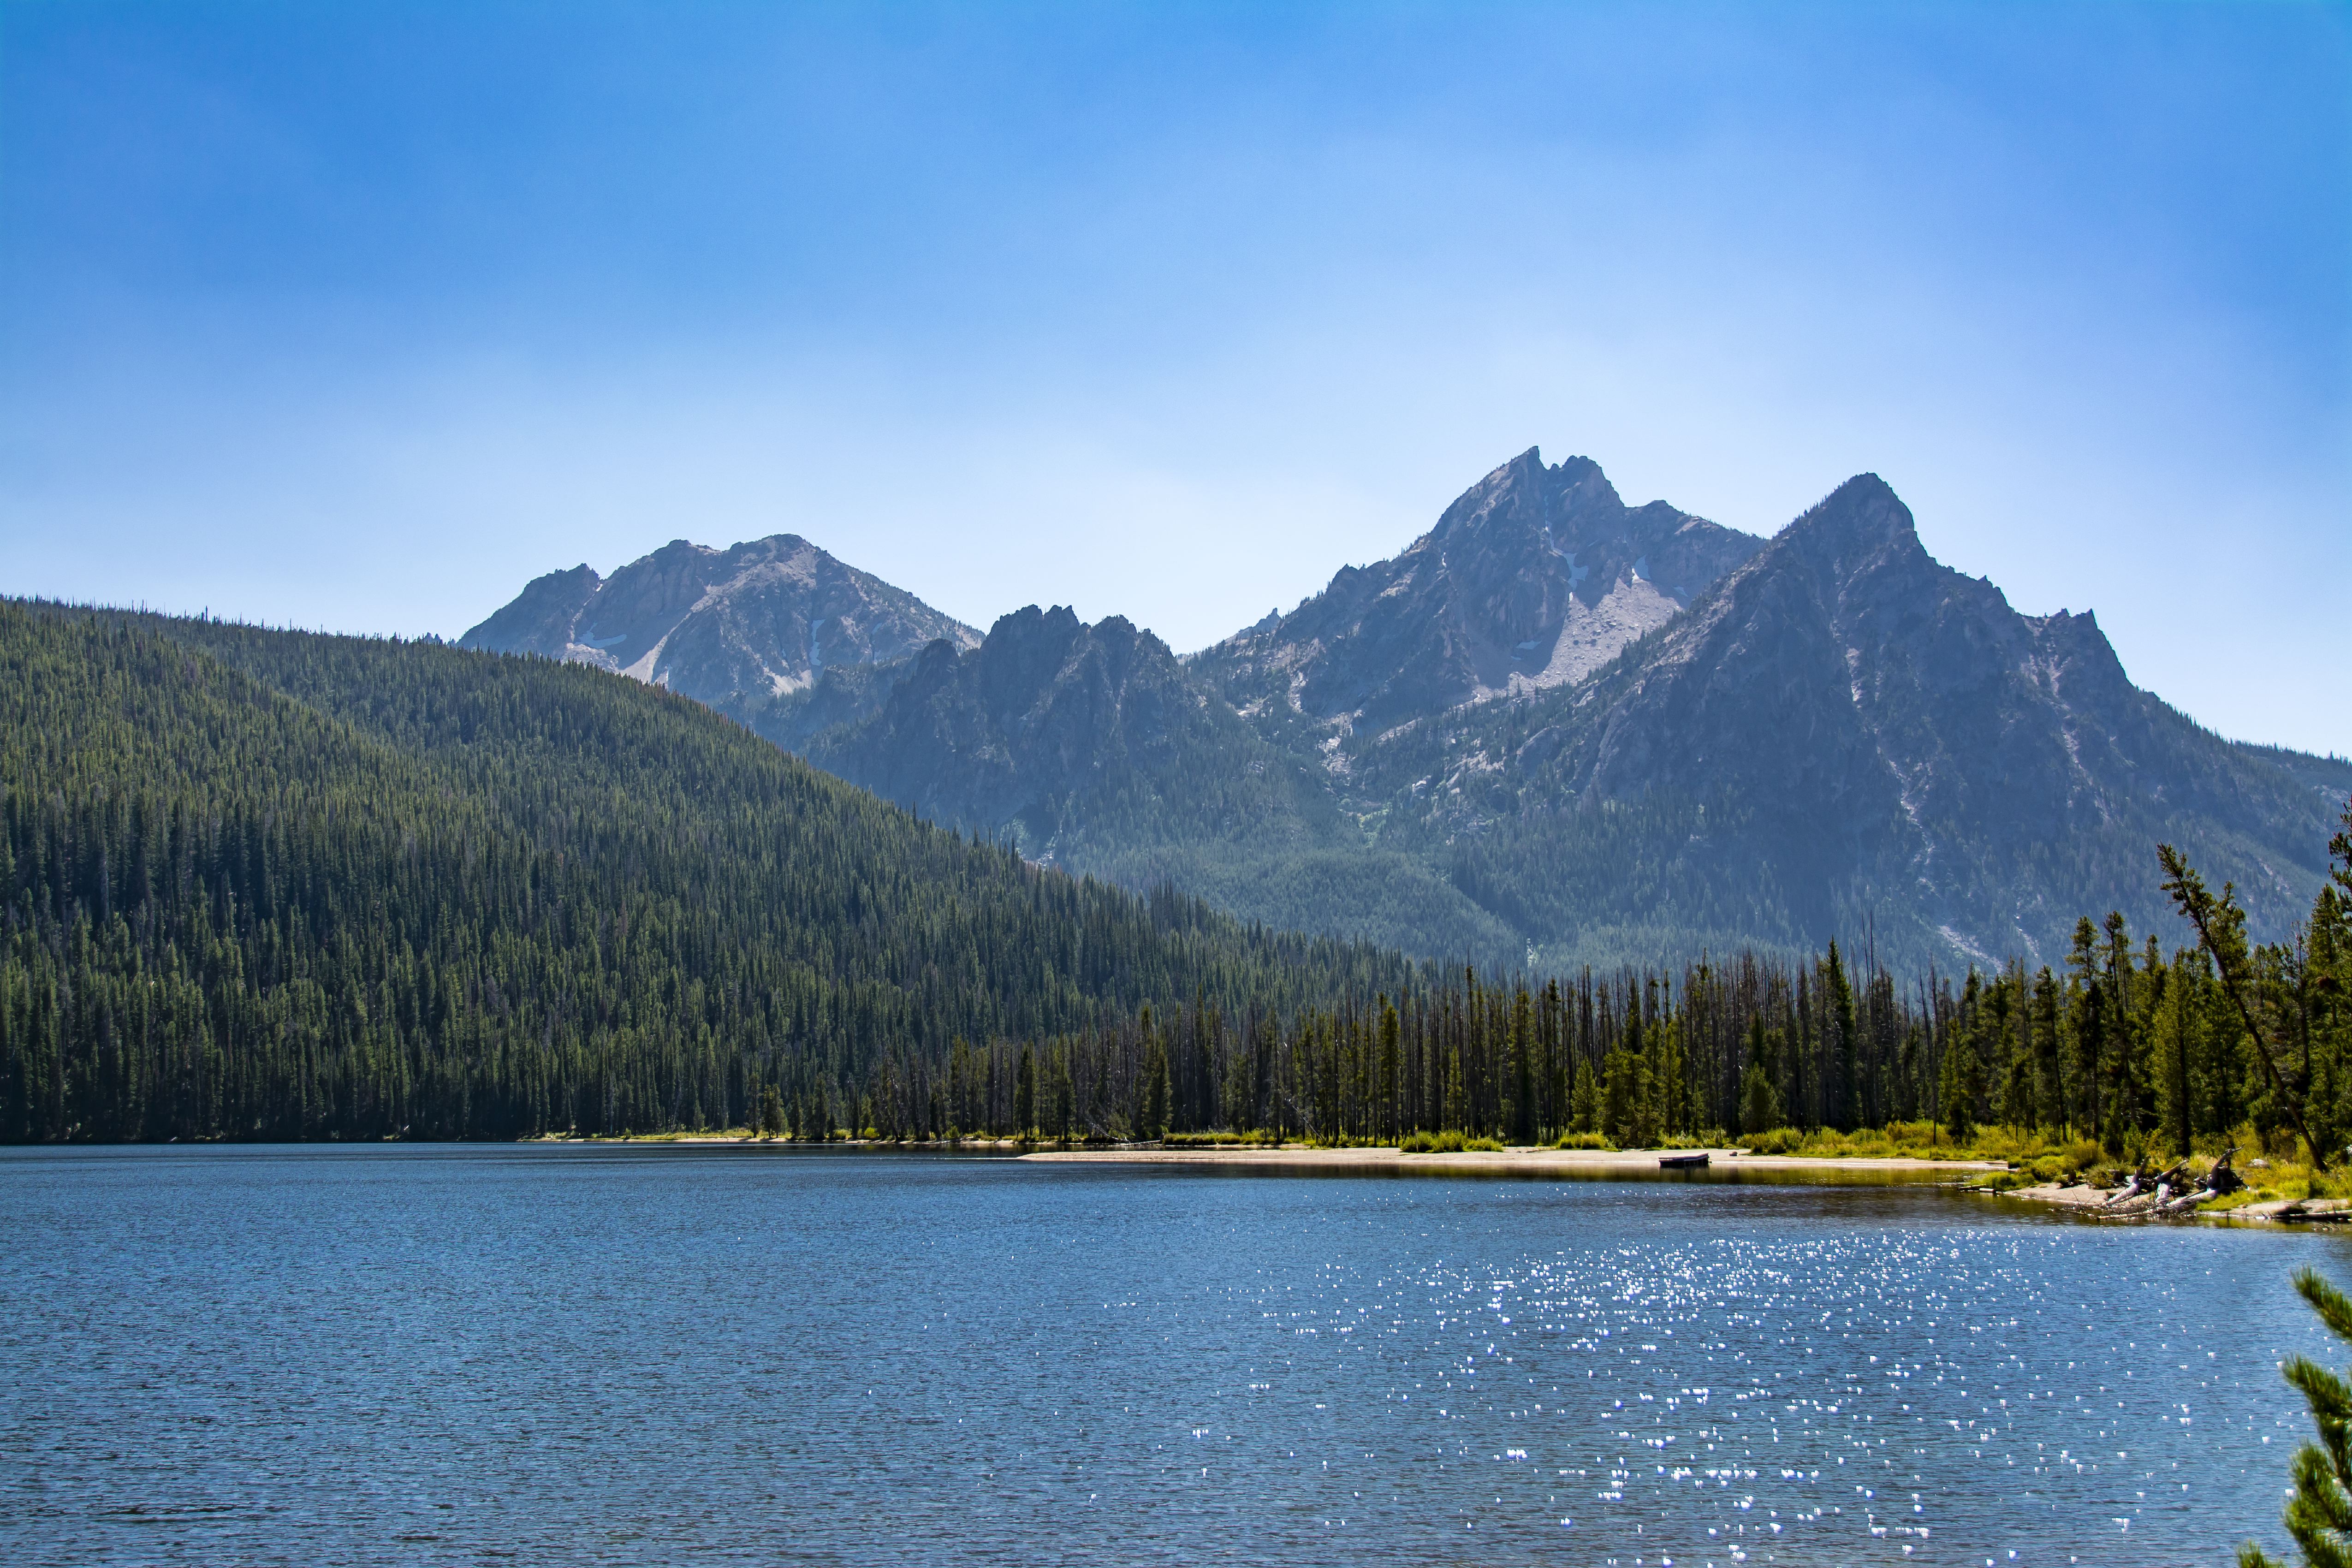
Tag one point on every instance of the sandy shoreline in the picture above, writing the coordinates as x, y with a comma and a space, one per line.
2087, 1201
1535, 1161
1491, 1161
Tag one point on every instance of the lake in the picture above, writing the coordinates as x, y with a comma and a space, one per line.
659, 1354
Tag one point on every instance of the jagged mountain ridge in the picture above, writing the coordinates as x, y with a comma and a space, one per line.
1044, 713
1091, 747
1533, 578
773, 632
1724, 741
1858, 737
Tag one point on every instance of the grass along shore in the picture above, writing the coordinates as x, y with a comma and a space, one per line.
2075, 1174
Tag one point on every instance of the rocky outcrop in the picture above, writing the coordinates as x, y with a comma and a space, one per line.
1555, 730
753, 630
1843, 732
1535, 577
1053, 730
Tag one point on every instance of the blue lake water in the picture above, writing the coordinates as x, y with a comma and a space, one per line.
461, 1354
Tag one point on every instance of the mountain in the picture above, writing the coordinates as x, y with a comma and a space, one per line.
1091, 747
1554, 730
283, 885
1533, 579
1845, 736
774, 633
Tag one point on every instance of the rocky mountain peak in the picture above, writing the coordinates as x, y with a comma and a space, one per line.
1532, 578
1024, 732
1872, 732
1860, 525
737, 628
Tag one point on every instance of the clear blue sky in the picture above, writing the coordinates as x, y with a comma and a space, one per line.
361, 315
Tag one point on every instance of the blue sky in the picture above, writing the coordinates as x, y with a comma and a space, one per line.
360, 316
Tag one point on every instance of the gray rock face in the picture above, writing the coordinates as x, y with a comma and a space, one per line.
1535, 577
1555, 730
1845, 733
1057, 731
753, 631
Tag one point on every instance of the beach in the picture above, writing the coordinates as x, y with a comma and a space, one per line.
1532, 1162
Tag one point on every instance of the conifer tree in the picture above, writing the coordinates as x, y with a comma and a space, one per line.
1841, 1027
1519, 1056
1760, 1101
1155, 1088
1061, 1098
2220, 927
2319, 1512
1024, 1097
1385, 1126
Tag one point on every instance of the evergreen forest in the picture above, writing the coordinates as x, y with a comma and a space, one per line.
280, 885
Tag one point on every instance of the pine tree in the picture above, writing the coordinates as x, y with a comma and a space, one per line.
1521, 1068
2319, 1512
1061, 1097
2220, 927
1024, 1097
1385, 1125
1961, 1079
1840, 996
1760, 1101
1155, 1088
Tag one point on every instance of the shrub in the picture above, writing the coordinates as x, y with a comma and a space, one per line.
2081, 1155
1779, 1141
1583, 1141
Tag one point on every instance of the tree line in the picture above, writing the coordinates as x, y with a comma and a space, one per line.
2120, 1043
260, 884
278, 885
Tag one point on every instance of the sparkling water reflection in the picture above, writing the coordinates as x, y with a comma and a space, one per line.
434, 1354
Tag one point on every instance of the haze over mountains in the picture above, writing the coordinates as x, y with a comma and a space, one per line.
1554, 730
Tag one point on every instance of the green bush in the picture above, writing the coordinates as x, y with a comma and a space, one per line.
1583, 1141
1779, 1141
2080, 1155
1446, 1142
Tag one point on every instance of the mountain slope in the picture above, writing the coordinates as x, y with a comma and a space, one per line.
1558, 729
1091, 747
1533, 578
1844, 735
275, 884
753, 631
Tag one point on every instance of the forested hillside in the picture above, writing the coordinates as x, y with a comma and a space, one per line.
273, 884
269, 884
